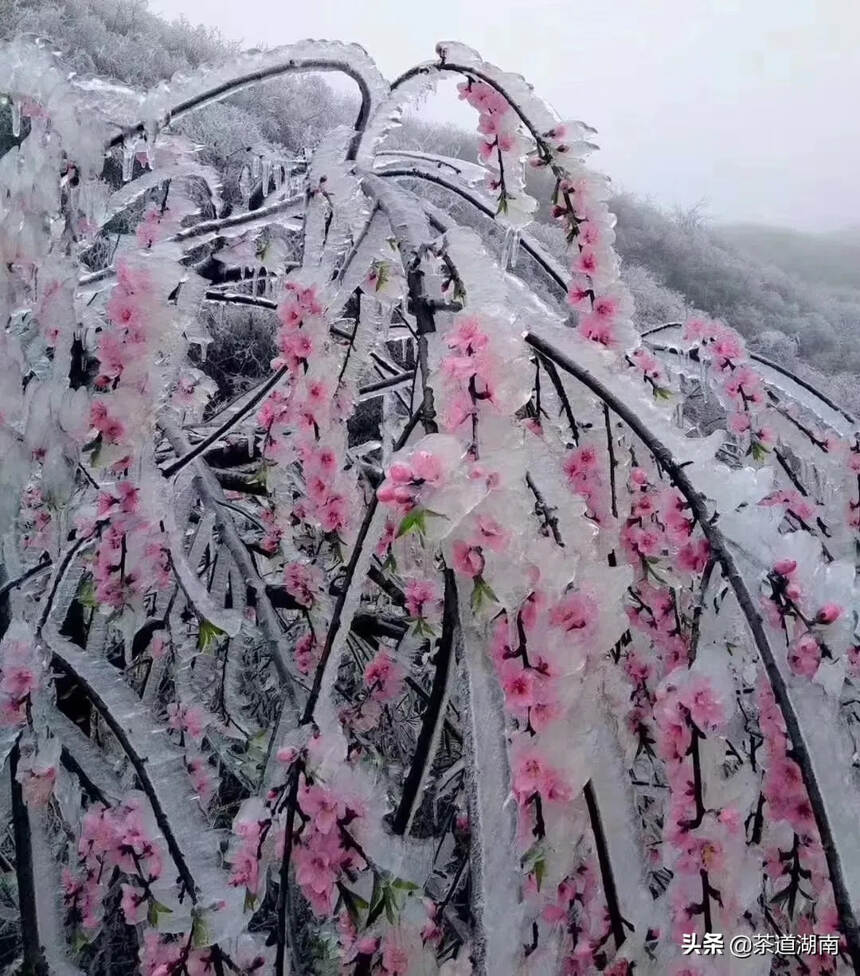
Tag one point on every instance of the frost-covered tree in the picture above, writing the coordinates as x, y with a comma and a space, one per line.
480, 633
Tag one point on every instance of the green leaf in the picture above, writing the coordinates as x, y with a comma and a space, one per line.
539, 872
250, 901
87, 595
537, 852
382, 274
661, 393
390, 907
414, 521
377, 901
156, 909
758, 451
200, 933
401, 884
390, 564
352, 902
421, 628
481, 593
208, 632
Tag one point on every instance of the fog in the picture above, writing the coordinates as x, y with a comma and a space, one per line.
743, 108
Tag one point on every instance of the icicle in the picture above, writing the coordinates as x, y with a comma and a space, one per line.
151, 136
515, 247
16, 118
129, 144
510, 248
245, 185
256, 167
267, 172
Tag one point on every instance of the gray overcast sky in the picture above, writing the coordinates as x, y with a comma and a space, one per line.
749, 106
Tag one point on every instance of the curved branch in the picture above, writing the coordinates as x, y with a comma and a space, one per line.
34, 958
526, 242
102, 688
609, 889
724, 557
769, 363
233, 421
252, 78
473, 72
433, 712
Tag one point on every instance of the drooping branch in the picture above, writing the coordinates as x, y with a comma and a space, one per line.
229, 424
252, 78
723, 555
527, 243
122, 712
34, 958
431, 721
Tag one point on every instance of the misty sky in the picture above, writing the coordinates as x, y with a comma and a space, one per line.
748, 107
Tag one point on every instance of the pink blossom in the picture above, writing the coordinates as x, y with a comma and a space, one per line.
577, 611
134, 904
694, 556
301, 581
785, 567
532, 774
395, 957
491, 534
468, 560
316, 873
384, 675
804, 656
829, 613
419, 593
468, 338
518, 684
706, 710
323, 806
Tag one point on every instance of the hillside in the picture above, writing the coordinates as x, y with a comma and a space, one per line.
827, 259
791, 294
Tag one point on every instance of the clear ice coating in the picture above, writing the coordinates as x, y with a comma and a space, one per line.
249, 553
15, 110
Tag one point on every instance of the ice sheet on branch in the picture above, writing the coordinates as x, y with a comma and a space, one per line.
251, 67
165, 764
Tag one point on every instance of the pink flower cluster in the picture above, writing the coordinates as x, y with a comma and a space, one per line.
37, 523
328, 491
188, 720
122, 837
423, 600
301, 313
384, 676
320, 855
471, 372
306, 653
739, 383
786, 798
161, 955
406, 479
787, 607
585, 478
20, 676
528, 680
500, 146
660, 526
132, 558
651, 370
128, 310
303, 581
